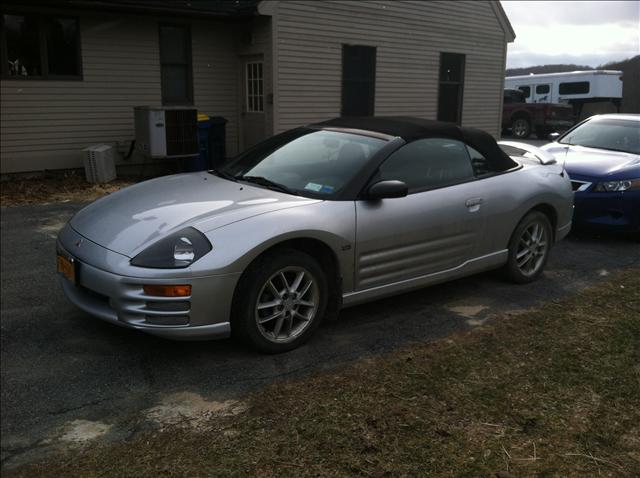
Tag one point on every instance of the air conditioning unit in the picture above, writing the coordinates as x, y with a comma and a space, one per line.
166, 131
99, 163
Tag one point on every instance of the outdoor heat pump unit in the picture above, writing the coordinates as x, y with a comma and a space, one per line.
166, 131
99, 163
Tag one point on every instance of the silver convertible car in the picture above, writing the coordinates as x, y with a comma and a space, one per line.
312, 220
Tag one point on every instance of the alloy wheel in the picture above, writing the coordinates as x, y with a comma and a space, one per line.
532, 249
287, 304
520, 128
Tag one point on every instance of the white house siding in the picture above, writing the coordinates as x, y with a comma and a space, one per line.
215, 70
45, 124
409, 36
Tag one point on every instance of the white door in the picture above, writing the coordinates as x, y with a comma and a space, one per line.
253, 102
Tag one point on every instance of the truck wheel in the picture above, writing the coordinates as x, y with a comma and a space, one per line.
521, 128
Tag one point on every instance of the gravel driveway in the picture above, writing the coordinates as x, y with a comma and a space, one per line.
67, 378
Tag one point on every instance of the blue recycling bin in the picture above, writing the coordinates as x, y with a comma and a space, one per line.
211, 144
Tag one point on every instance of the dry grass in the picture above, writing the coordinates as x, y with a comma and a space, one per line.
554, 392
67, 187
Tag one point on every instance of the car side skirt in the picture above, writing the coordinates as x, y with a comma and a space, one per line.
472, 266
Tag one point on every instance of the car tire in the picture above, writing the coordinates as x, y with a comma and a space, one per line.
279, 301
521, 128
529, 248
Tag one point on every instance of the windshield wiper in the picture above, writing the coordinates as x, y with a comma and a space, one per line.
223, 174
262, 181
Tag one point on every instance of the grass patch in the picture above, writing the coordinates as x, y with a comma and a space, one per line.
554, 392
56, 187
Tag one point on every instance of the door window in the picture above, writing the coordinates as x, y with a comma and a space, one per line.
255, 87
429, 164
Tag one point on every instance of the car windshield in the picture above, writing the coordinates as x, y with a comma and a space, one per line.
307, 162
611, 134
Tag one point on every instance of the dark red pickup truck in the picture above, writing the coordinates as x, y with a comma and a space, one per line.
522, 118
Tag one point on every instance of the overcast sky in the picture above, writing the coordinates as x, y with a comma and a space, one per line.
585, 33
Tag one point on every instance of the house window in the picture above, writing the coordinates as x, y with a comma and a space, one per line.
451, 87
358, 80
40, 47
574, 88
175, 65
255, 87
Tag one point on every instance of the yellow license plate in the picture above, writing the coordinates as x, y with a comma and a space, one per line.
67, 268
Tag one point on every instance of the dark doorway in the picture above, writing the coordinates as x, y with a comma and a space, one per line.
358, 80
451, 87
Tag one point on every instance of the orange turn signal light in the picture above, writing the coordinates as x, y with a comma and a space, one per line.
167, 290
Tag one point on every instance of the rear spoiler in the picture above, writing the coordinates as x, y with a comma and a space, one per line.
544, 157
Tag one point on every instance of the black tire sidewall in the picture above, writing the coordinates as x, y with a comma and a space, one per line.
513, 271
243, 324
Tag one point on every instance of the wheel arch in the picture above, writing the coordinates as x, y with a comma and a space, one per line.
319, 250
549, 211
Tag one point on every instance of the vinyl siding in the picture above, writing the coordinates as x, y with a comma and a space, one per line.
45, 124
409, 36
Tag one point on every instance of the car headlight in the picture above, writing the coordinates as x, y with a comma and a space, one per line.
618, 186
180, 249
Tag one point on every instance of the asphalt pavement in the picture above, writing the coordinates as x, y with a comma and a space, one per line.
65, 373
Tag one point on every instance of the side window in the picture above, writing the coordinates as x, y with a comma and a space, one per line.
574, 88
526, 90
542, 89
428, 164
479, 163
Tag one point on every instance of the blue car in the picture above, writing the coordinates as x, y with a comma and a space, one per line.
602, 157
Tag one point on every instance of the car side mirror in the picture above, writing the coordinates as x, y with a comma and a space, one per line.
387, 190
553, 137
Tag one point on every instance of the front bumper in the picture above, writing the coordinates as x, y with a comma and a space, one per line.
121, 300
615, 210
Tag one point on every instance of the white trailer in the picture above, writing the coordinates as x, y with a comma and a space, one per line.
590, 92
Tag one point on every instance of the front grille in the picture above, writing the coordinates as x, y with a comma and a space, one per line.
169, 306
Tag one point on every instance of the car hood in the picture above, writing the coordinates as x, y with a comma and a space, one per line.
593, 162
129, 220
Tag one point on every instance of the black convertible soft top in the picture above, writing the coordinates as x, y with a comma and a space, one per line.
410, 129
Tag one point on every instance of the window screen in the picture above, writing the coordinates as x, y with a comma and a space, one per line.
428, 164
38, 46
574, 88
175, 65
358, 80
254, 87
450, 91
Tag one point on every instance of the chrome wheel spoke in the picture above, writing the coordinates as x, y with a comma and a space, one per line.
273, 288
284, 280
278, 326
269, 305
269, 318
297, 281
305, 303
305, 289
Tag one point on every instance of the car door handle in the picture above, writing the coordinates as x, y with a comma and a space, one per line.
473, 202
